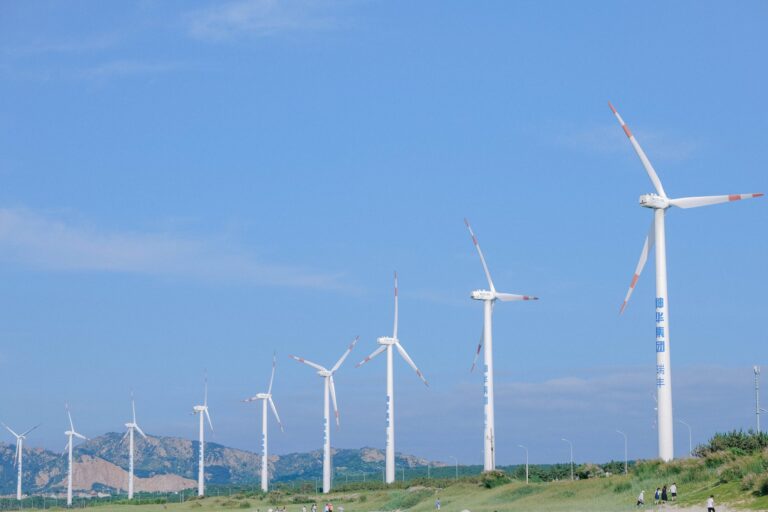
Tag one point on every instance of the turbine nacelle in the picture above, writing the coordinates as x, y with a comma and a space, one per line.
654, 201
325, 373
199, 408
386, 340
483, 295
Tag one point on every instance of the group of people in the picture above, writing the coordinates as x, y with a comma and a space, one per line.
662, 495
328, 508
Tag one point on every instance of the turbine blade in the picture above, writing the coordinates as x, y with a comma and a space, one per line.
133, 409
125, 436
506, 297
272, 378
482, 258
394, 335
333, 399
643, 158
376, 352
79, 436
208, 417
694, 202
308, 363
410, 362
30, 430
277, 416
345, 354
71, 425
205, 397
251, 399
138, 429
11, 431
647, 245
479, 347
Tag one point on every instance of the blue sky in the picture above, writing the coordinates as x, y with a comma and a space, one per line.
189, 185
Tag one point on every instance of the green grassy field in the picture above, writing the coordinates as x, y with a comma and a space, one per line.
614, 493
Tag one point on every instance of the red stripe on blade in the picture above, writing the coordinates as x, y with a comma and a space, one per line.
626, 130
734, 197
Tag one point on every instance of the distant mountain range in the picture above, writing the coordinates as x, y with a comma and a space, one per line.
170, 464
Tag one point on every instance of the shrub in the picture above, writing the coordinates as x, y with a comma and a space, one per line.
491, 479
622, 487
363, 498
762, 486
245, 504
748, 482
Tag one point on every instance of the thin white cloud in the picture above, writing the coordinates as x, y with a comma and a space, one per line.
610, 139
36, 240
258, 18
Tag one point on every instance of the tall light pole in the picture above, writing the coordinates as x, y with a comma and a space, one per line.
690, 438
456, 462
625, 451
571, 445
526, 461
757, 396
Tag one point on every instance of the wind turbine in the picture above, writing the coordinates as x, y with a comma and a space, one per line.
386, 343
202, 410
17, 459
131, 426
489, 298
71, 433
327, 376
659, 202
266, 397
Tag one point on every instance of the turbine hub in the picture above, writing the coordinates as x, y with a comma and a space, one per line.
198, 408
654, 201
263, 396
386, 340
482, 295
324, 373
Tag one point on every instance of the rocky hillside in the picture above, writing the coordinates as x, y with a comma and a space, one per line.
170, 463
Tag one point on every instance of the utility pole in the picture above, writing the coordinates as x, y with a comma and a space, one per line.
526, 461
625, 451
757, 396
571, 445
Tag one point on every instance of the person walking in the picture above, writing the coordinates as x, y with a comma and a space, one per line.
314, 507
711, 503
657, 496
641, 499
673, 490
437, 504
664, 494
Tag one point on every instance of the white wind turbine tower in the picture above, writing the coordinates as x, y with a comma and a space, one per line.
71, 433
131, 426
202, 410
386, 343
659, 202
489, 297
266, 397
327, 376
17, 459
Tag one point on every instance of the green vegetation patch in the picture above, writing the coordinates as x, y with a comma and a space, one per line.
401, 500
